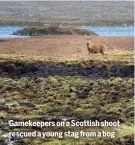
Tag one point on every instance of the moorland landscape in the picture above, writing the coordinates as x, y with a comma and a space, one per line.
52, 76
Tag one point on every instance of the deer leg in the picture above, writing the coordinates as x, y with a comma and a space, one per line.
92, 55
103, 55
89, 54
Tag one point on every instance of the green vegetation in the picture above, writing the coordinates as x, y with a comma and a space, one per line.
93, 89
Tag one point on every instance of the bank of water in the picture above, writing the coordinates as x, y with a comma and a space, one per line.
7, 31
111, 31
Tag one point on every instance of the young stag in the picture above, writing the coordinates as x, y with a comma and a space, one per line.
95, 48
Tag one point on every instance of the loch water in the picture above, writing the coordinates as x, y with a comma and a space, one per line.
7, 31
111, 31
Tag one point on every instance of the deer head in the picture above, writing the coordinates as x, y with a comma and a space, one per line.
88, 39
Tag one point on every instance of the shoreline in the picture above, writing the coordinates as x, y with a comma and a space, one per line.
81, 25
100, 31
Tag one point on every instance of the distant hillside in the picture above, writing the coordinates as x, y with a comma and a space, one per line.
67, 12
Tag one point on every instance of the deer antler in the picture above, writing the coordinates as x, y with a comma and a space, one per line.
85, 37
88, 38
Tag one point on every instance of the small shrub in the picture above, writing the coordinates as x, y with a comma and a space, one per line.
52, 80
23, 82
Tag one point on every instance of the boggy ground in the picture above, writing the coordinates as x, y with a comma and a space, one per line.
40, 88
90, 68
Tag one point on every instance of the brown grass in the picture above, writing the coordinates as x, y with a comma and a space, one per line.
66, 47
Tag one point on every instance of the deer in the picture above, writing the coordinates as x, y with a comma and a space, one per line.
94, 48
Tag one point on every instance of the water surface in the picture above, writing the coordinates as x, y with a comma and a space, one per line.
7, 31
111, 31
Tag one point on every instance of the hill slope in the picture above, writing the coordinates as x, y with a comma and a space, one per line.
79, 13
